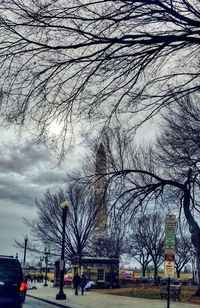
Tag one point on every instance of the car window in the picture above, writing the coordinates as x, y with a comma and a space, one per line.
10, 268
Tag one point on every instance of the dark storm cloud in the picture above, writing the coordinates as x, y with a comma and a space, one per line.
19, 158
49, 177
27, 170
17, 189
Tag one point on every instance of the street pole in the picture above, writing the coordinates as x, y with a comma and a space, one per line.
111, 276
41, 259
47, 253
25, 247
61, 294
168, 292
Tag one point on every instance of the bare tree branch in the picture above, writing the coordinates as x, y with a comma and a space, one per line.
101, 59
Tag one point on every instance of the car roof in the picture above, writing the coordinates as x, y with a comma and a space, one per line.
9, 259
6, 257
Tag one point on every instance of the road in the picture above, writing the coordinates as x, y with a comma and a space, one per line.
33, 303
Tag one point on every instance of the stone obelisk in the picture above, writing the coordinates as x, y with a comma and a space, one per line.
100, 190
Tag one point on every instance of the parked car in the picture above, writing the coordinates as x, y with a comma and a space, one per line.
174, 281
144, 280
68, 280
12, 285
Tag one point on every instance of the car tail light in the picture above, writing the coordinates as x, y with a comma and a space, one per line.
23, 286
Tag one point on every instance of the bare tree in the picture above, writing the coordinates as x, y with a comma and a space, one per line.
183, 253
139, 252
145, 178
179, 154
148, 241
180, 138
117, 240
80, 225
105, 59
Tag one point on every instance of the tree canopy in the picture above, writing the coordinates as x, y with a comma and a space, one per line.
60, 60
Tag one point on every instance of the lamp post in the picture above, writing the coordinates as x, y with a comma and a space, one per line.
64, 206
25, 247
47, 253
41, 259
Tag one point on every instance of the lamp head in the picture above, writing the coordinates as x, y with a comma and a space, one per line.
64, 205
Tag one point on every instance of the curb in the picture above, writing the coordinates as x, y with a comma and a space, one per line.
48, 301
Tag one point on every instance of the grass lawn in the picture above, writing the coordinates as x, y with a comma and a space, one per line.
151, 292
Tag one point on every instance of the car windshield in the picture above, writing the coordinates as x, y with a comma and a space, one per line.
10, 268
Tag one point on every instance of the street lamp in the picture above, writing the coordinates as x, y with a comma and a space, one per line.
47, 253
64, 206
41, 260
25, 247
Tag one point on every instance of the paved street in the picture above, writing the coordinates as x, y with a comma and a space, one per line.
94, 299
33, 303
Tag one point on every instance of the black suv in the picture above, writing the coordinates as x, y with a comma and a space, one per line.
12, 285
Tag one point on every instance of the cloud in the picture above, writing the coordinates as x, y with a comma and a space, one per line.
11, 226
18, 158
27, 170
15, 188
49, 177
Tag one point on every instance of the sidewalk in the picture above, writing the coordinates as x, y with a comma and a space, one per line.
92, 299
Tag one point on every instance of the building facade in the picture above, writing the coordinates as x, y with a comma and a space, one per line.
104, 272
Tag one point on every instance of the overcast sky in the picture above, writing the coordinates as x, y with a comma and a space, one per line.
27, 170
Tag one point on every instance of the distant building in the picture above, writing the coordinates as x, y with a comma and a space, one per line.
104, 272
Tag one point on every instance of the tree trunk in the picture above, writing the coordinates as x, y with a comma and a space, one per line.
155, 274
198, 270
195, 232
143, 270
178, 273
